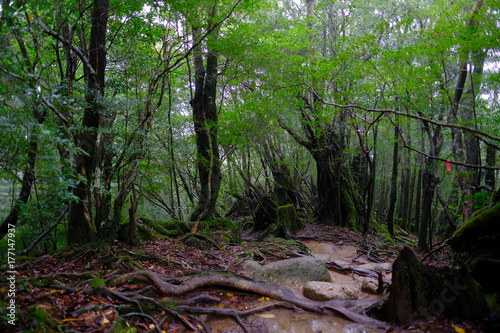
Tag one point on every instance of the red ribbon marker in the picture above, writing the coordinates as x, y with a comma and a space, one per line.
448, 165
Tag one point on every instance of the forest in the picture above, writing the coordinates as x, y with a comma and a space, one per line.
147, 147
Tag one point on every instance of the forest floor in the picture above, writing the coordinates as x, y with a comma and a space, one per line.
72, 291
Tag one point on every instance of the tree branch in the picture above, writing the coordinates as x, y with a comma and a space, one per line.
408, 115
295, 136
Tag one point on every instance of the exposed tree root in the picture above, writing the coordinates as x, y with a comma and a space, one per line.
236, 314
233, 281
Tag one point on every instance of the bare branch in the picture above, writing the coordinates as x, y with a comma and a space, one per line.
408, 115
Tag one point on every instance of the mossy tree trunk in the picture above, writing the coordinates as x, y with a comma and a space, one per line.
205, 120
81, 228
339, 202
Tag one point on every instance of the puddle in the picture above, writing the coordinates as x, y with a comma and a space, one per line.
288, 321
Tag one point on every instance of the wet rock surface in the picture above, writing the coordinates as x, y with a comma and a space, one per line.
295, 271
325, 291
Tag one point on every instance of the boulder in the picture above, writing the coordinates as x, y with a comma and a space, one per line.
250, 265
420, 291
326, 291
296, 271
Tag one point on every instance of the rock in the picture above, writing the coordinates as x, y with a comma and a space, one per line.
369, 286
250, 265
378, 267
420, 291
342, 264
322, 256
325, 291
296, 271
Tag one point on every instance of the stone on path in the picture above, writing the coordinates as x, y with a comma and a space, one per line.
325, 291
296, 271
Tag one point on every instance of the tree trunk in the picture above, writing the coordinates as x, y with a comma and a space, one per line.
205, 119
394, 182
39, 117
489, 178
339, 202
81, 228
429, 186
27, 181
465, 107
329, 188
418, 196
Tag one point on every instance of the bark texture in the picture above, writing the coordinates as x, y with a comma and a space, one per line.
81, 228
205, 119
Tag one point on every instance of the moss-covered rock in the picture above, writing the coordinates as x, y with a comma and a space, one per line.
287, 222
199, 240
420, 291
295, 271
217, 225
149, 229
169, 228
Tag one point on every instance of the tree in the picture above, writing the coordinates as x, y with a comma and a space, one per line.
81, 227
39, 114
205, 119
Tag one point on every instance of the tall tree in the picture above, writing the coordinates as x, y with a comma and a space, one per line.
205, 118
462, 108
394, 180
81, 228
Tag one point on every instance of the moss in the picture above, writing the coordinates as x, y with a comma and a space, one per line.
282, 240
123, 327
484, 224
199, 240
97, 282
217, 224
389, 240
41, 320
287, 215
38, 283
169, 228
493, 301
145, 233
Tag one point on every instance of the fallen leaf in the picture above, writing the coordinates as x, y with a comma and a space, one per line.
266, 315
105, 322
458, 329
